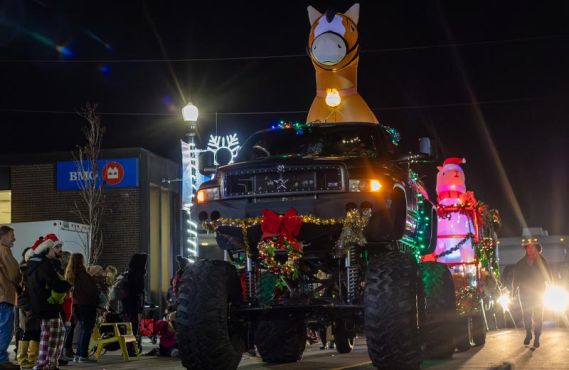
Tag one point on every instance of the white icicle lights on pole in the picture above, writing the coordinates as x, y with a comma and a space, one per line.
192, 179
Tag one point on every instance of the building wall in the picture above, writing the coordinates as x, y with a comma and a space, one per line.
34, 198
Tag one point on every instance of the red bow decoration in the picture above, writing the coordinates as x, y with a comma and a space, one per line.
468, 199
287, 225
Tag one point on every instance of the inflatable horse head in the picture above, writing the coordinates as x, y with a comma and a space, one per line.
333, 47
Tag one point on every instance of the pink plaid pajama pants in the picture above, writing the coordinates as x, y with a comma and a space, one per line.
51, 344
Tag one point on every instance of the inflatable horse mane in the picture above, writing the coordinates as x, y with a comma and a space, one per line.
333, 46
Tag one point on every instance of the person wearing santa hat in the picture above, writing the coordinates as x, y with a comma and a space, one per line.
47, 290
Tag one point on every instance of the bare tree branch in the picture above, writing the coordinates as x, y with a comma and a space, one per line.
90, 208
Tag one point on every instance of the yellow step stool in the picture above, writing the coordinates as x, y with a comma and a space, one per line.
100, 341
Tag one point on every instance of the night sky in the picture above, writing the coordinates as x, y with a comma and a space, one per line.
488, 80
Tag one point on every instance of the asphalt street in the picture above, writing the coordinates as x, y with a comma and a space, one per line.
503, 350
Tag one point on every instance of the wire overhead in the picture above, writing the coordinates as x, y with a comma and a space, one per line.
284, 56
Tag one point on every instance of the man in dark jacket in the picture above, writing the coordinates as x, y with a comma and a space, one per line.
531, 275
46, 291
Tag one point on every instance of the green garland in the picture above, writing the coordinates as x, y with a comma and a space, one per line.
419, 242
353, 229
486, 254
456, 247
394, 135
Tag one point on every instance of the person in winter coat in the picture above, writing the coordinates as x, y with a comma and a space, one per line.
10, 278
30, 325
175, 281
85, 301
68, 319
133, 302
167, 336
46, 291
531, 275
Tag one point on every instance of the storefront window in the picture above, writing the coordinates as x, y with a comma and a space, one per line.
5, 206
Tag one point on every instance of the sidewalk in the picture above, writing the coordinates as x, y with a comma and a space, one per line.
113, 360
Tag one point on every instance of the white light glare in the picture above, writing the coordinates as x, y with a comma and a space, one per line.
505, 300
556, 299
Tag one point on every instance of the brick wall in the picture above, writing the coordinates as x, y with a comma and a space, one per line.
34, 198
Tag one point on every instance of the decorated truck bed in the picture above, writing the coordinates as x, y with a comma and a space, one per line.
466, 244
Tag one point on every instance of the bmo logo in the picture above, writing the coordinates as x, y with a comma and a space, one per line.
113, 173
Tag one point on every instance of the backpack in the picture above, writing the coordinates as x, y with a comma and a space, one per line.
119, 292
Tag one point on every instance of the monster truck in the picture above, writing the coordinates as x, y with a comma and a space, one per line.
369, 283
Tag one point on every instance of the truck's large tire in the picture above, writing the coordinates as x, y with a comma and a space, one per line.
343, 339
440, 310
391, 327
280, 340
462, 335
478, 330
207, 335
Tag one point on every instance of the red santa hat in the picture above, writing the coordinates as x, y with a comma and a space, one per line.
49, 241
454, 160
30, 253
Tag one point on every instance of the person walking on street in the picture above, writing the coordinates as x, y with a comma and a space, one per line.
531, 276
10, 278
47, 290
85, 301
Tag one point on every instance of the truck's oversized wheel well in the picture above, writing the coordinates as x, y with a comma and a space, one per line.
388, 224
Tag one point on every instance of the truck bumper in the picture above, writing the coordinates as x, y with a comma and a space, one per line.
387, 221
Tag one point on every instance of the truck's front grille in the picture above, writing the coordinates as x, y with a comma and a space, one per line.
283, 180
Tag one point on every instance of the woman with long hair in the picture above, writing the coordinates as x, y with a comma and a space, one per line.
85, 301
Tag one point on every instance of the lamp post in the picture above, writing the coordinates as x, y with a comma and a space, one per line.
190, 114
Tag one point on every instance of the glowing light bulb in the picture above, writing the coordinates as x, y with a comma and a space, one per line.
333, 98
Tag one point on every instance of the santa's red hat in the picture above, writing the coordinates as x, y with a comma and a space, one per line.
454, 160
30, 253
49, 241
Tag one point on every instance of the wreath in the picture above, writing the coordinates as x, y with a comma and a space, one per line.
279, 233
284, 267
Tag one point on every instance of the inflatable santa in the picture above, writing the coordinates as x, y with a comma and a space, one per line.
457, 219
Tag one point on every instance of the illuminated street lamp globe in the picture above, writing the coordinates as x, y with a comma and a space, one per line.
190, 114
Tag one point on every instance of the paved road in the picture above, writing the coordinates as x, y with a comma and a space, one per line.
502, 348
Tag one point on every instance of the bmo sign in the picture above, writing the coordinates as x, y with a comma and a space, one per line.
112, 173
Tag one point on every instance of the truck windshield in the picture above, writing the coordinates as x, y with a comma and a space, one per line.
328, 141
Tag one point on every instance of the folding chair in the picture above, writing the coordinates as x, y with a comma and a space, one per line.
100, 338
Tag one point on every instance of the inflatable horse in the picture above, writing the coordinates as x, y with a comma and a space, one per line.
333, 47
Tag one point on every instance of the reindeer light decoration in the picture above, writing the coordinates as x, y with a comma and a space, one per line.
333, 47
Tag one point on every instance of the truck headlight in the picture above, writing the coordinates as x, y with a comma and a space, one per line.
556, 299
505, 300
371, 185
207, 194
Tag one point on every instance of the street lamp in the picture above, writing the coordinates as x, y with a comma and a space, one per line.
190, 115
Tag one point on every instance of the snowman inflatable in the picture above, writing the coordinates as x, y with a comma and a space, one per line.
457, 227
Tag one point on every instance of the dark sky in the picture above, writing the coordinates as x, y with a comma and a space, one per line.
488, 80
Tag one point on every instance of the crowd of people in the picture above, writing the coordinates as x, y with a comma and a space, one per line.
51, 301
